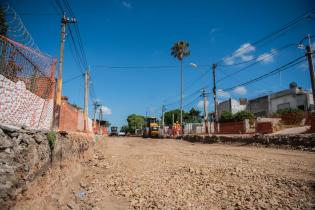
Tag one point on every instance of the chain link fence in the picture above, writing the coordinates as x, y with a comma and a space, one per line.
27, 86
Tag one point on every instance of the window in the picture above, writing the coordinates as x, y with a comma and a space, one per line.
283, 106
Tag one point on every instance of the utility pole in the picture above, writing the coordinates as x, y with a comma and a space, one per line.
96, 105
100, 118
86, 98
64, 21
215, 100
163, 109
172, 119
204, 94
310, 65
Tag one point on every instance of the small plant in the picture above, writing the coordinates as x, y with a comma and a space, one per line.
290, 116
243, 115
226, 117
237, 117
51, 136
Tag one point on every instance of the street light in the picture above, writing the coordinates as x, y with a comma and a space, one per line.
193, 65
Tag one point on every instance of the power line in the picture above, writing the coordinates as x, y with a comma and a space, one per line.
73, 78
303, 17
271, 73
136, 67
275, 52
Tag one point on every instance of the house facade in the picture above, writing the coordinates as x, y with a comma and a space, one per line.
232, 106
294, 98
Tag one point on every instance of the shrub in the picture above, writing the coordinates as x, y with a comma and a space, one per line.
242, 115
226, 117
51, 136
237, 117
290, 116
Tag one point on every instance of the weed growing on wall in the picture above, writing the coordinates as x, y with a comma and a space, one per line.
51, 136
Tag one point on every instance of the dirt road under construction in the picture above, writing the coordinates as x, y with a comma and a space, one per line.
127, 173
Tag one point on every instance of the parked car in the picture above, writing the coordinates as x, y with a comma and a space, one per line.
121, 134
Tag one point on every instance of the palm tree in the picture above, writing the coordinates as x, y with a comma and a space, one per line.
180, 50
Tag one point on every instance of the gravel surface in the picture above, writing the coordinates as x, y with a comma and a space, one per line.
138, 173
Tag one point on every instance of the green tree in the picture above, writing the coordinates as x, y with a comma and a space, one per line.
180, 50
193, 116
226, 117
242, 115
135, 122
168, 117
124, 128
3, 23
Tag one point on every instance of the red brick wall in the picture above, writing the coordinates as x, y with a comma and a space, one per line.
232, 128
264, 127
97, 129
313, 123
68, 117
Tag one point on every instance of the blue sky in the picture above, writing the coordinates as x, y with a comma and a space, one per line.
141, 33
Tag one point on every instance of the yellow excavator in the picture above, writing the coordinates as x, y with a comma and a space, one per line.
151, 129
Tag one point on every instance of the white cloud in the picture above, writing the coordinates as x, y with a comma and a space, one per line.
241, 90
106, 110
126, 4
243, 53
228, 60
267, 57
223, 94
200, 104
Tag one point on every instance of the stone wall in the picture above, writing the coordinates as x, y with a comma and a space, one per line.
300, 141
26, 154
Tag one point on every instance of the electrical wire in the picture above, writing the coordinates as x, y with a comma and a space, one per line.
73, 78
271, 73
275, 52
298, 20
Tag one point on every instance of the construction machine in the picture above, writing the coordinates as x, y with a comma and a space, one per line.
113, 131
151, 129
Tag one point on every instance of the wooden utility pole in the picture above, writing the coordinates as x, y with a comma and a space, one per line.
204, 94
96, 105
100, 118
86, 98
215, 100
64, 21
163, 110
311, 66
